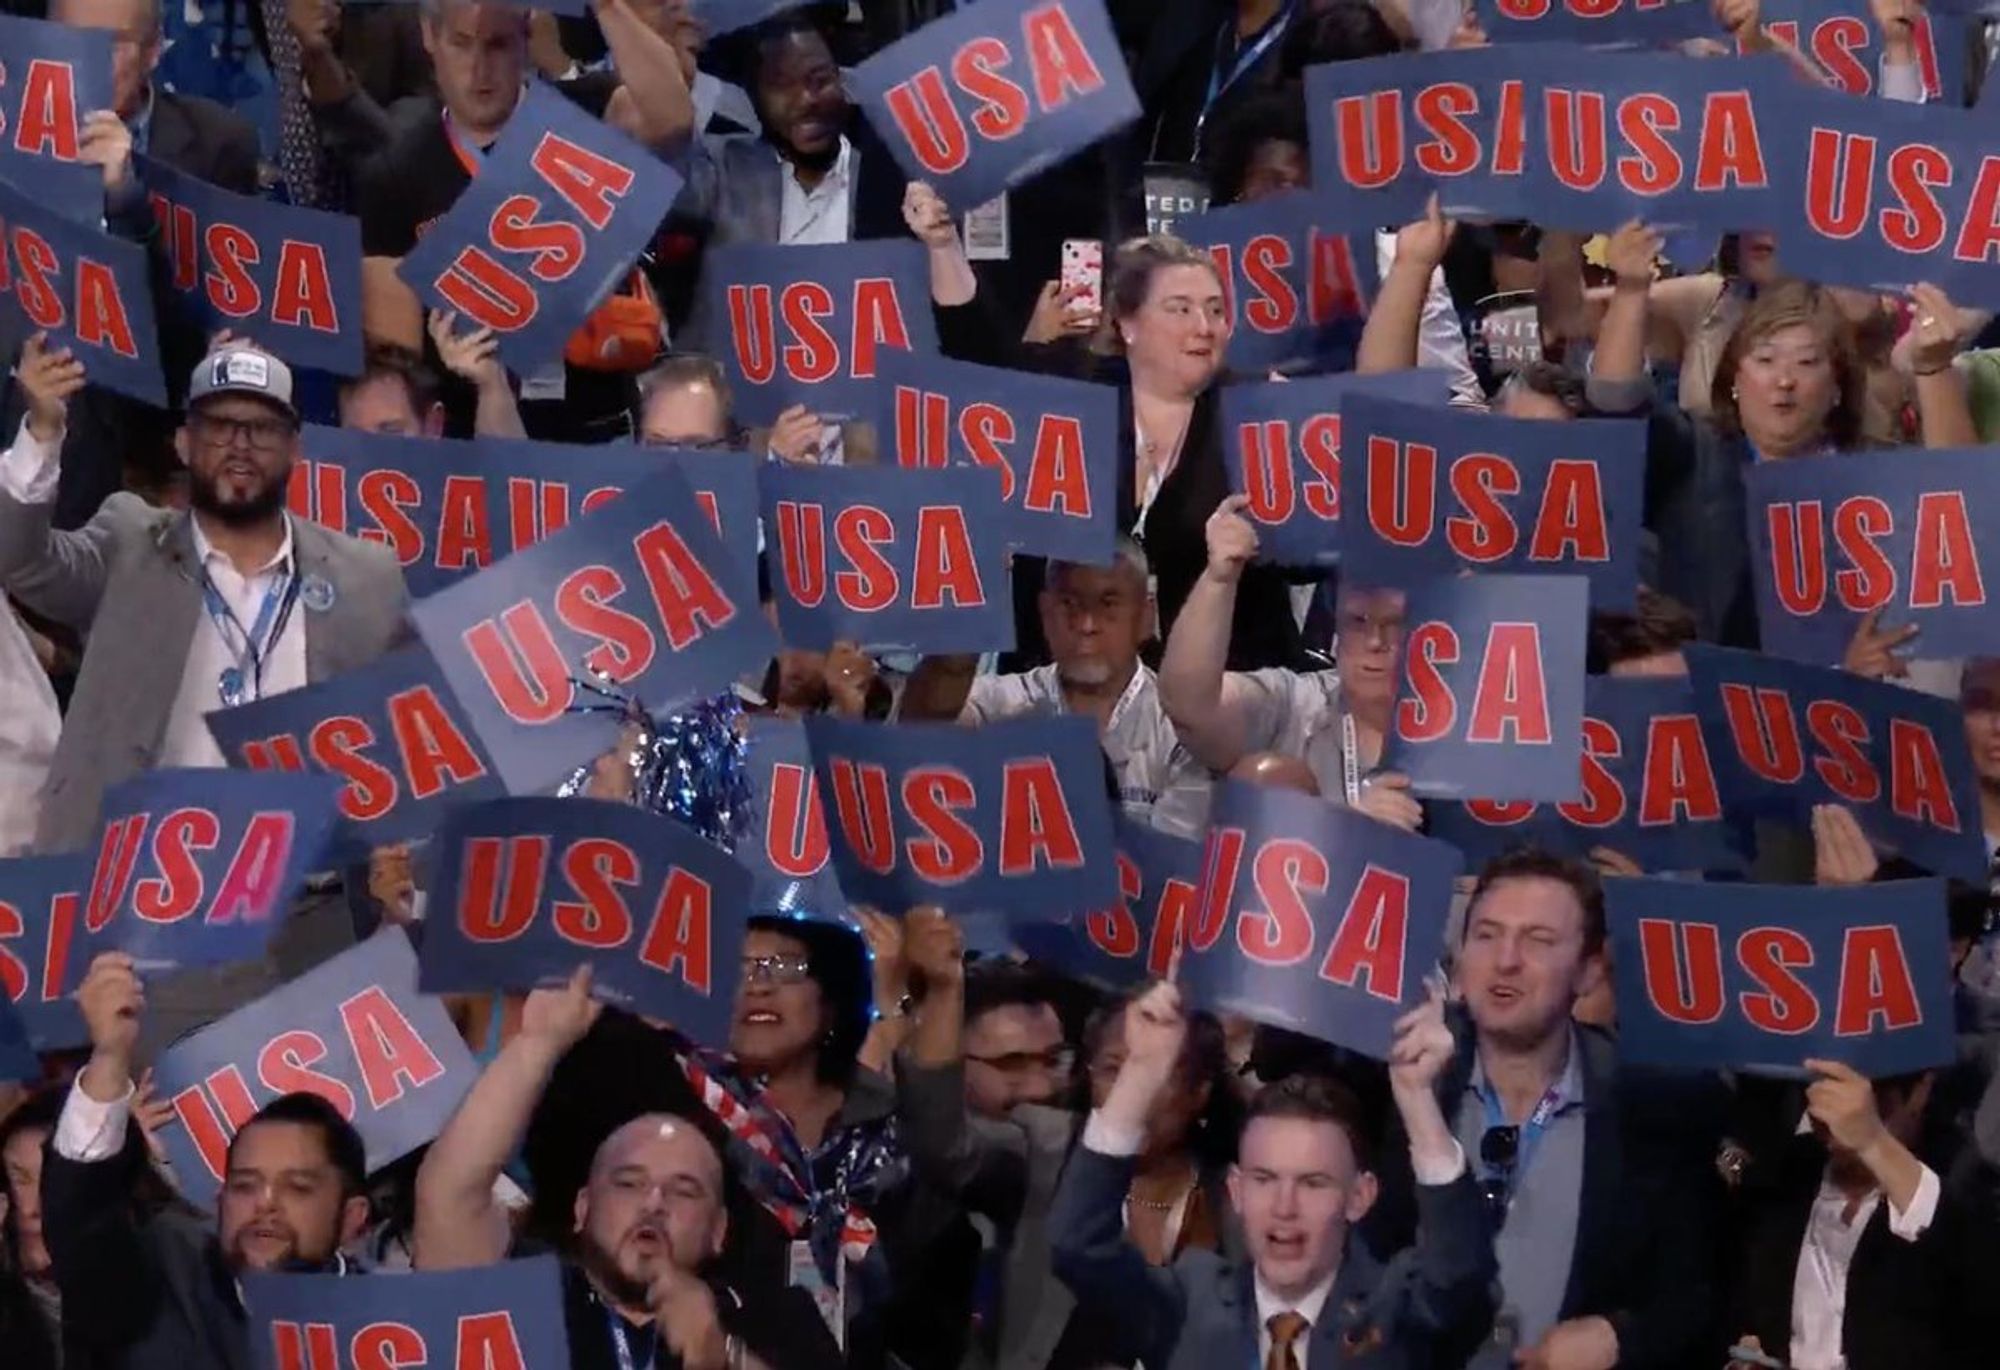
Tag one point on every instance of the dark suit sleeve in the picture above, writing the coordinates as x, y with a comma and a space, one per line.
103, 1262
1451, 1268
1672, 1294
985, 1164
785, 1331
1104, 1270
235, 165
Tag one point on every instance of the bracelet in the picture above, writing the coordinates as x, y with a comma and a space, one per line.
900, 1009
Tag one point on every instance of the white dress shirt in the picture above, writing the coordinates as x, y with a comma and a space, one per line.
1440, 335
30, 723
824, 214
1308, 1306
91, 1131
1819, 1285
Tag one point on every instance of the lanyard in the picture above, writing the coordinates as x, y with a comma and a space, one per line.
1219, 80
1350, 760
258, 640
619, 1344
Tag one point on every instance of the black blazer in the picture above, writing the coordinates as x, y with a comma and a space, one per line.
203, 139
1643, 1257
1922, 1305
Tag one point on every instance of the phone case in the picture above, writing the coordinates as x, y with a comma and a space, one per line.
1083, 272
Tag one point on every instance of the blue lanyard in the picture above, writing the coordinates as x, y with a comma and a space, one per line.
619, 1329
1220, 81
1538, 1121
258, 641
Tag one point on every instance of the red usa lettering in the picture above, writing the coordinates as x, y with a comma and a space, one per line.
1037, 831
1057, 479
47, 970
251, 884
930, 114
1116, 931
1579, 9
1855, 182
1943, 561
528, 671
1841, 46
1567, 520
1510, 702
462, 533
1642, 142
944, 573
301, 293
50, 123
1258, 282
1682, 966
85, 299
1676, 781
1764, 725
488, 1341
810, 350
1291, 472
427, 752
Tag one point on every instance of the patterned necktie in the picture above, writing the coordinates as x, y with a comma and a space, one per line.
1286, 1329
298, 136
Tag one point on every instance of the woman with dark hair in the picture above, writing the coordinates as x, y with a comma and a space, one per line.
30, 1303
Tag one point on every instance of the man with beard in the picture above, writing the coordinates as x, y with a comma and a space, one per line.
163, 1293
648, 1223
1095, 619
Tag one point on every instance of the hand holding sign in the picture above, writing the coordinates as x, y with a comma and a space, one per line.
1873, 654
1842, 853
934, 947
562, 1016
48, 377
106, 143
1842, 1100
113, 1001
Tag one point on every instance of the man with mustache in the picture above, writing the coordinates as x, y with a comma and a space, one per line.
164, 1293
649, 1222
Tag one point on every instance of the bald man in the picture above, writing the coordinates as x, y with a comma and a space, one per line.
649, 1222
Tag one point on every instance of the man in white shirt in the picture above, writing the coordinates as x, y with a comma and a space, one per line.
1300, 1182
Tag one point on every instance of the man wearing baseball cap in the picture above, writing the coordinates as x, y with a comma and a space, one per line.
183, 611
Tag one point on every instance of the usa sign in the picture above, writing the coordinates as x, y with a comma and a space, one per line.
391, 733
1649, 789
1432, 490
352, 1030
889, 558
56, 74
992, 94
288, 277
1597, 21
562, 206
1727, 976
808, 325
1882, 195
785, 844
1491, 698
1785, 737
507, 1316
1011, 818
89, 291
41, 898
637, 590
1843, 40
1315, 917
1139, 937
198, 867
1834, 539
528, 889
1299, 273
1053, 440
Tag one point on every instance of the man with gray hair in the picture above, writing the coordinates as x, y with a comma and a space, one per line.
1095, 619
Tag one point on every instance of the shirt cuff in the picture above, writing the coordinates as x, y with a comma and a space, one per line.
1436, 1171
29, 469
1911, 1223
1903, 83
1108, 1137
91, 1131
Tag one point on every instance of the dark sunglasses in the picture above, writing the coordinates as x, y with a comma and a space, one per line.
1499, 1152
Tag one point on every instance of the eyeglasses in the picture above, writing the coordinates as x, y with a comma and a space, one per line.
261, 434
1499, 1152
777, 970
1056, 1060
722, 444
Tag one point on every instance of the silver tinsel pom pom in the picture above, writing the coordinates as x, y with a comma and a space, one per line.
689, 766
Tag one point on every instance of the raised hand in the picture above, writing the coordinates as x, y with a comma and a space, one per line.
1938, 329
796, 436
925, 211
1842, 853
113, 1003
1056, 314
1386, 798
1843, 1102
1155, 1028
1232, 540
1421, 1047
1632, 253
850, 674
48, 378
106, 144
934, 947
560, 1017
1872, 651
1423, 243
891, 974
473, 356
684, 1311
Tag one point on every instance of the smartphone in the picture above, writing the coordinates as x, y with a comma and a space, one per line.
1083, 274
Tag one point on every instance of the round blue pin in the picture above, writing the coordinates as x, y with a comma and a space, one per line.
316, 593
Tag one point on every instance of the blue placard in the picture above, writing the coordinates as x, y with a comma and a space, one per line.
1431, 491
1281, 444
1053, 440
528, 889
449, 508
1785, 737
1597, 21
784, 843
40, 900
507, 1316
718, 17
89, 291
1567, 136
1842, 40
1722, 976
1139, 937
639, 590
562, 206
1835, 539
808, 324
888, 558
1299, 274
286, 276
56, 74
993, 94
1649, 789
390, 732
1490, 699
197, 867
18, 1061
353, 1030
1012, 818
1315, 917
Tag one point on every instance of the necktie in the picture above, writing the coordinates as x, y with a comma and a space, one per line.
298, 136
1286, 1329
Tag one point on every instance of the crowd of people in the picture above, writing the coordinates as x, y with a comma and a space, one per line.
907, 1152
